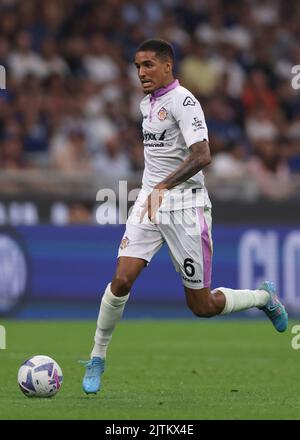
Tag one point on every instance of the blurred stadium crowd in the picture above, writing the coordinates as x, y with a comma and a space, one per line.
71, 103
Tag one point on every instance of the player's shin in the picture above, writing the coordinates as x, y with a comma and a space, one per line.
237, 300
111, 310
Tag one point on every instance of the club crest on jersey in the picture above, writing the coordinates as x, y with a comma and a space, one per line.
162, 114
124, 243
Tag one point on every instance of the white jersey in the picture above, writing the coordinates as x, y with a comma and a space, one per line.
173, 120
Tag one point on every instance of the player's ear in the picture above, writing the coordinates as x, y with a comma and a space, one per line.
168, 67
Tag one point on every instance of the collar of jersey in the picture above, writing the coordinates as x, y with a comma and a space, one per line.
164, 90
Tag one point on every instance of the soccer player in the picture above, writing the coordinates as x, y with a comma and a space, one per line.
173, 207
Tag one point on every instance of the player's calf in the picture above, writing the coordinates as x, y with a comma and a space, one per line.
204, 304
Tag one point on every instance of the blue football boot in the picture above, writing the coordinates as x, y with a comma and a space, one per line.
274, 309
92, 379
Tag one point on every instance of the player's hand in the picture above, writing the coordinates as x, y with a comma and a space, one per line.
153, 203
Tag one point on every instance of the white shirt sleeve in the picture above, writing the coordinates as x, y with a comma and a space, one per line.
189, 115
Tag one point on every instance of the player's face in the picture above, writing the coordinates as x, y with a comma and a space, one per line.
153, 72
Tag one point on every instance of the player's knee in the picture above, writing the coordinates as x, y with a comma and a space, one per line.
122, 284
203, 309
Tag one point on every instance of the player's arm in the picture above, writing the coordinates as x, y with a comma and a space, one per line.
198, 158
189, 116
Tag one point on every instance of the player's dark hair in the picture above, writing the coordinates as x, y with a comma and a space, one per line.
162, 48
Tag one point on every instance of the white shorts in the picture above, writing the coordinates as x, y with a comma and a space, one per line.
187, 234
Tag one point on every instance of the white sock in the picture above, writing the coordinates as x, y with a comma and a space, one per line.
237, 300
111, 310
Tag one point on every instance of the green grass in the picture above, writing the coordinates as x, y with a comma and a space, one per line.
205, 369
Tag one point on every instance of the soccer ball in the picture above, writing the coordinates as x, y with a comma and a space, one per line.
40, 376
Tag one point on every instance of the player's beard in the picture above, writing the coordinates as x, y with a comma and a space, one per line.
150, 89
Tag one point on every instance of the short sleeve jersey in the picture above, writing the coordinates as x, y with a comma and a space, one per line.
173, 120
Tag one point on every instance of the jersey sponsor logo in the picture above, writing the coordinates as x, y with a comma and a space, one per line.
154, 145
162, 136
162, 114
188, 101
149, 136
154, 136
124, 243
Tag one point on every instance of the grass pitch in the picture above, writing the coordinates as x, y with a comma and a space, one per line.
180, 370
